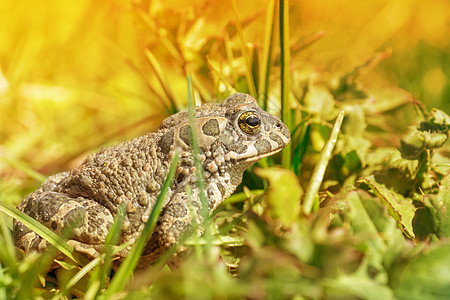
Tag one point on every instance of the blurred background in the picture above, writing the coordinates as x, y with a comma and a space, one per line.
79, 75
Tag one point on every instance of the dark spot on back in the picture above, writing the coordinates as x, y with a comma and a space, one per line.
166, 141
186, 134
211, 127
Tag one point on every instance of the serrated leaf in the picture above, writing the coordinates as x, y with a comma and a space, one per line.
284, 193
401, 209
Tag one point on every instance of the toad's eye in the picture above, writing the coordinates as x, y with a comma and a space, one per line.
250, 122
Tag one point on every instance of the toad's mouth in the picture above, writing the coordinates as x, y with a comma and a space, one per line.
258, 149
259, 156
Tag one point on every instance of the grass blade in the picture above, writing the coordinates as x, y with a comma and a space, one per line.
7, 251
216, 70
285, 73
266, 62
317, 176
17, 164
88, 267
102, 272
129, 264
162, 80
244, 50
199, 168
230, 58
163, 40
41, 230
75, 279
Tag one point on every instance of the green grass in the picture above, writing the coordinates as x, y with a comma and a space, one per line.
356, 207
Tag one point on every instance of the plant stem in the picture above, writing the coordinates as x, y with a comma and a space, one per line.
311, 196
285, 62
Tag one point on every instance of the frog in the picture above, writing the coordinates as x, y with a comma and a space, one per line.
232, 135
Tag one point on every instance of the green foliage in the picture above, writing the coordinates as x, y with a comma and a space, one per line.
426, 276
374, 222
283, 194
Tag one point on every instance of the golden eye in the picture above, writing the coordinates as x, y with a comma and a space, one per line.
250, 122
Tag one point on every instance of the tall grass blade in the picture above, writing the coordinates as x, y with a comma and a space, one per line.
163, 40
230, 58
266, 62
7, 251
162, 80
199, 168
245, 54
285, 73
311, 196
201, 87
127, 267
95, 283
215, 69
16, 164
139, 71
113, 237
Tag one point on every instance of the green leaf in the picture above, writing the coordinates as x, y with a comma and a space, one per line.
439, 208
434, 132
401, 209
362, 221
439, 117
358, 286
352, 137
319, 100
427, 276
433, 140
283, 195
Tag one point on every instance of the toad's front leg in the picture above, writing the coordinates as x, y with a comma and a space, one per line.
174, 220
